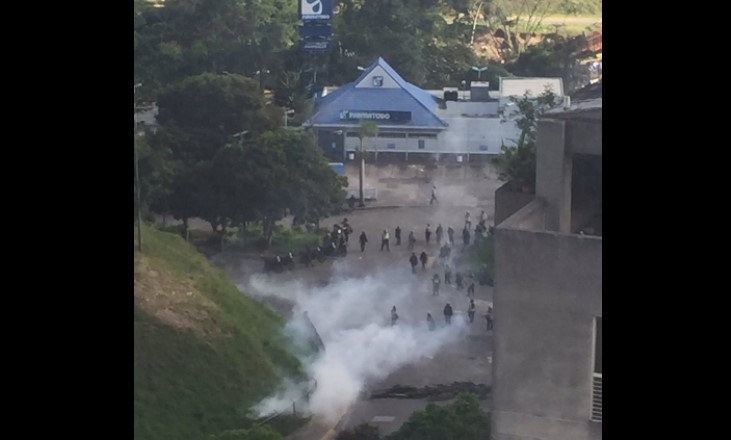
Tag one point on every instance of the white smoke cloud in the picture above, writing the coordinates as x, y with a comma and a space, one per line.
352, 317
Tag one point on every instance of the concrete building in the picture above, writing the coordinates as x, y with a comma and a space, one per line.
547, 370
414, 122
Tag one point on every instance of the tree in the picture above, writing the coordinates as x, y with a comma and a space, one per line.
283, 170
462, 420
201, 113
363, 431
366, 129
518, 162
556, 56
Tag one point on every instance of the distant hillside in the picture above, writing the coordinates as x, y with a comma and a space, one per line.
204, 352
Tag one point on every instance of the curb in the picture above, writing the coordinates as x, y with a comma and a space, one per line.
331, 432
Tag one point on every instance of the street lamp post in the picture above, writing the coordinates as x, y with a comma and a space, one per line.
137, 177
479, 71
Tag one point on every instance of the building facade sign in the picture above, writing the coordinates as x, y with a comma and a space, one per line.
390, 116
316, 9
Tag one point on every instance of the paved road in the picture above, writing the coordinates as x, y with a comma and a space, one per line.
466, 359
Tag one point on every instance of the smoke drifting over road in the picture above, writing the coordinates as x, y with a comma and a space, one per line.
352, 317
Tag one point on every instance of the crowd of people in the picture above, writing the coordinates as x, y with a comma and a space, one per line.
336, 243
448, 313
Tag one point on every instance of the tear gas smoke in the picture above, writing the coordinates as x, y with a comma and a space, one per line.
352, 316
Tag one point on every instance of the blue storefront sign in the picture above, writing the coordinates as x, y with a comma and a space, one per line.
316, 9
377, 115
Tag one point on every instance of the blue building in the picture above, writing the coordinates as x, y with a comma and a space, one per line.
406, 116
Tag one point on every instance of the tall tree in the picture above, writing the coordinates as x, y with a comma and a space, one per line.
518, 162
201, 113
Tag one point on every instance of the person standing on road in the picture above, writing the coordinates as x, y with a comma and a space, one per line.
471, 287
363, 240
384, 240
414, 261
398, 235
488, 318
466, 237
447, 274
448, 314
394, 316
423, 258
430, 322
412, 240
471, 311
435, 282
483, 218
467, 221
427, 234
440, 233
460, 281
450, 234
433, 195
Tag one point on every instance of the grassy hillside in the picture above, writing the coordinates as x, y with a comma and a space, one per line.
204, 353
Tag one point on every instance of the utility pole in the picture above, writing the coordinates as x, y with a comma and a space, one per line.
137, 177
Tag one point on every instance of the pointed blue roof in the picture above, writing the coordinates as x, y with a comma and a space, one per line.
404, 97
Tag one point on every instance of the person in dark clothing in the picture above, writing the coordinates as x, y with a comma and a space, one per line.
447, 274
427, 234
394, 316
414, 261
430, 322
307, 256
363, 240
440, 233
450, 234
435, 282
471, 311
448, 314
471, 287
398, 235
466, 237
412, 240
488, 318
460, 281
343, 247
384, 240
423, 258
347, 230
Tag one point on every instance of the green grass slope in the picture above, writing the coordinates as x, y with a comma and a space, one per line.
203, 352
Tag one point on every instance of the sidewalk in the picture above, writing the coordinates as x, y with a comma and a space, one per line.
318, 429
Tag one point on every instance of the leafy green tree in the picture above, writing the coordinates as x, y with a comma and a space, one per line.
201, 113
555, 56
157, 170
462, 420
363, 431
518, 162
260, 180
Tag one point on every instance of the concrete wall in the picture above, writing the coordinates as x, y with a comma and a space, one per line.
508, 202
548, 289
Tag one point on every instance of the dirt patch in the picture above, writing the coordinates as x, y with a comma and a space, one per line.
176, 303
433, 393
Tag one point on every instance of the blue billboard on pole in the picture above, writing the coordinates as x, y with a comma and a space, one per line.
315, 9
